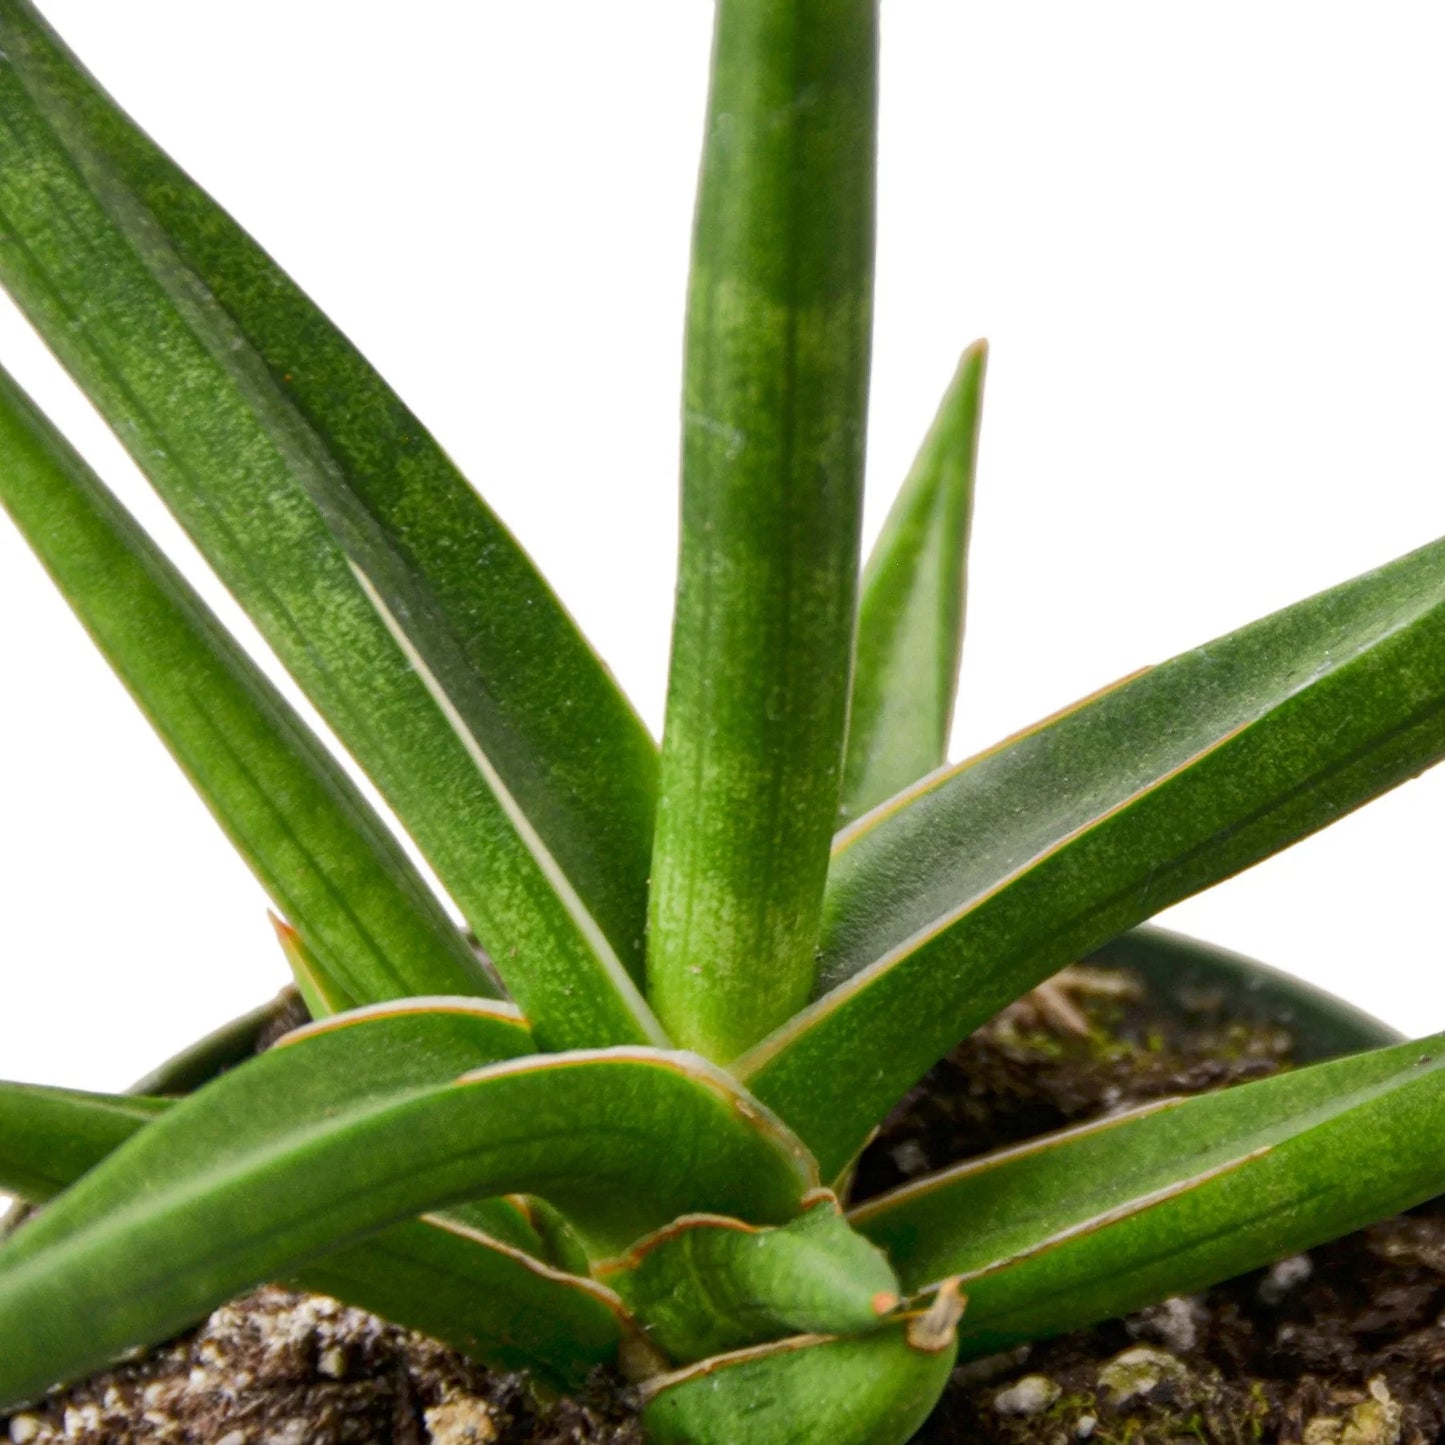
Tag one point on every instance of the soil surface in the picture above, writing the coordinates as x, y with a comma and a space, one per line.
1343, 1346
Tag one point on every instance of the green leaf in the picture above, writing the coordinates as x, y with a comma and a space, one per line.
1176, 969
403, 607
347, 1128
910, 611
472, 1278
496, 1304
1105, 1218
775, 393
50, 1137
321, 990
705, 1284
304, 830
872, 1389
982, 881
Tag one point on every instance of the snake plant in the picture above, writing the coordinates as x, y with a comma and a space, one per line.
616, 1123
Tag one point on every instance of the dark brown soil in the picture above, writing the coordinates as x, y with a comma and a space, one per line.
1344, 1346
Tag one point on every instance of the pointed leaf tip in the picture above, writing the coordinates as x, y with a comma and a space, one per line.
911, 608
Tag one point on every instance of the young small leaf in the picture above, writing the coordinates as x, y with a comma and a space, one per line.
705, 1285
910, 610
775, 393
982, 881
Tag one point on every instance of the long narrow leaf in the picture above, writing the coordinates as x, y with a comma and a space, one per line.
910, 609
310, 838
470, 1278
775, 391
495, 1304
341, 526
1108, 1217
50, 1137
315, 1145
968, 890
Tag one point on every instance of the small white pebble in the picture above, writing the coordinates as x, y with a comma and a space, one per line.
1136, 1372
1174, 1323
332, 1363
910, 1158
1030, 1396
461, 1422
81, 1420
1085, 1427
1279, 1279
24, 1429
233, 1437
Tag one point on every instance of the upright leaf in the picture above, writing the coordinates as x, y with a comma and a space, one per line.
1103, 1219
412, 619
983, 881
774, 396
307, 834
313, 1146
910, 611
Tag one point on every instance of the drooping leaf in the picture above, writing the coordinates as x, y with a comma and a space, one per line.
705, 1284
910, 608
774, 398
413, 620
346, 1129
307, 834
475, 1277
871, 1389
982, 881
1102, 1219
1176, 967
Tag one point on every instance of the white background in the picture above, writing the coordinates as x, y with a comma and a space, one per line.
1205, 243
